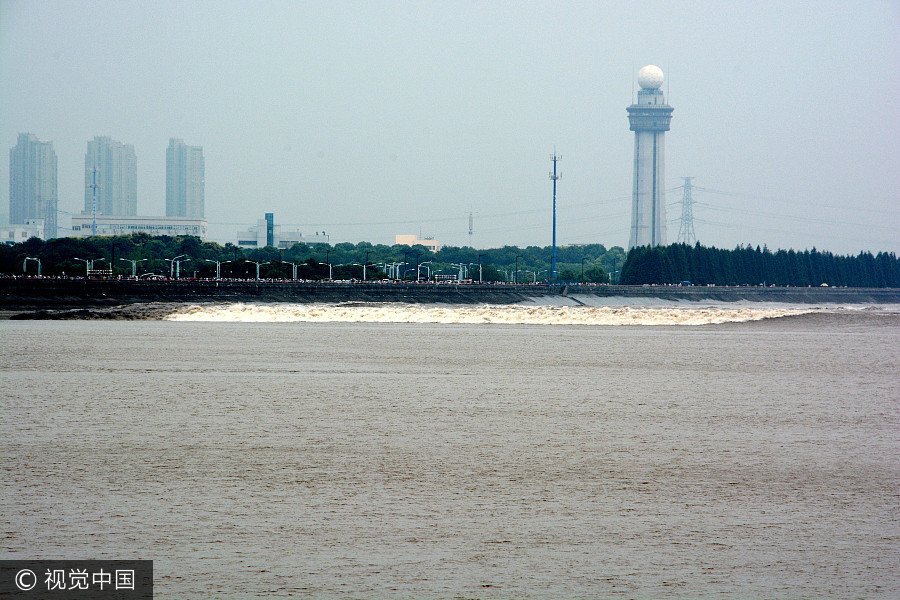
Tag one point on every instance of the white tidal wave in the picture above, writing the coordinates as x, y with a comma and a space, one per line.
506, 314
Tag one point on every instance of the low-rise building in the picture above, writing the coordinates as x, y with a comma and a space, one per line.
413, 240
83, 225
16, 234
267, 233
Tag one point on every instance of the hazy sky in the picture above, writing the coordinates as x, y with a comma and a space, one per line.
369, 119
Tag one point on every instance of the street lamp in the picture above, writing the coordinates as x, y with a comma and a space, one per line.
418, 254
365, 262
25, 265
427, 270
93, 260
582, 268
535, 274
112, 263
225, 262
463, 270
133, 265
517, 270
218, 267
257, 266
393, 270
172, 262
353, 265
294, 266
330, 272
178, 267
479, 270
87, 265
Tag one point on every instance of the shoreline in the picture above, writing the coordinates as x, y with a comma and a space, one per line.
44, 297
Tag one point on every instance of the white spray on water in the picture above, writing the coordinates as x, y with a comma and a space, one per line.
505, 314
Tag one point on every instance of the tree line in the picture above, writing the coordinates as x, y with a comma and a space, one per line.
165, 256
589, 263
699, 265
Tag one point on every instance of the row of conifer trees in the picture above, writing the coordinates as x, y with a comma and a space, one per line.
701, 265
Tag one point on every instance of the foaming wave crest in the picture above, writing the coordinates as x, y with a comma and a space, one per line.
507, 314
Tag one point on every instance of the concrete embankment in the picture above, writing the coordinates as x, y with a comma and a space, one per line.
24, 295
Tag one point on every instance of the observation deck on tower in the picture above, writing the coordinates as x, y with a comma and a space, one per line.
650, 112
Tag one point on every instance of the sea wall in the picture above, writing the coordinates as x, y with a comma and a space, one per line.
25, 294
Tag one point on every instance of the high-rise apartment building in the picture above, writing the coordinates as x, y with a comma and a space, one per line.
184, 180
113, 166
32, 183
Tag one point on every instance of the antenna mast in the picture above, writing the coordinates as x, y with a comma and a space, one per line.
471, 224
94, 186
668, 83
555, 178
632, 82
686, 230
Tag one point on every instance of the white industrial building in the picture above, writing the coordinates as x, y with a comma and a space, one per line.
83, 226
16, 234
649, 118
267, 233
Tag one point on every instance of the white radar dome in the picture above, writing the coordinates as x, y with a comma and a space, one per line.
650, 77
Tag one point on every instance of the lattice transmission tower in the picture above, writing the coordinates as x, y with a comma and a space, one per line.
686, 233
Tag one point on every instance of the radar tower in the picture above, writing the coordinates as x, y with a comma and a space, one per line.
649, 118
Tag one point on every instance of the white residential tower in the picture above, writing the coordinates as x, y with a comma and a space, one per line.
185, 180
32, 183
113, 166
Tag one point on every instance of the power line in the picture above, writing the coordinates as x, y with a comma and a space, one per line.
791, 217
795, 202
744, 227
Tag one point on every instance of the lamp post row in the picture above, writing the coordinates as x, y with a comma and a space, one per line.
393, 269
